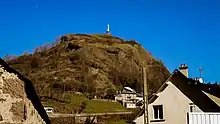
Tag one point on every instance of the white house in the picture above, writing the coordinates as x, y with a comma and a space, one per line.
127, 97
130, 104
177, 98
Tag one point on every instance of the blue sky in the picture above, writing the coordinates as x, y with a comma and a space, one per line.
175, 31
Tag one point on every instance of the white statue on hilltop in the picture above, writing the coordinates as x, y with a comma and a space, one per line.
108, 29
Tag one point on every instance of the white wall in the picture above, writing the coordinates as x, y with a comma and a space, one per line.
139, 98
139, 120
130, 105
125, 96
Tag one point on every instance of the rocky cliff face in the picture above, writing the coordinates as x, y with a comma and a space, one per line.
93, 64
15, 103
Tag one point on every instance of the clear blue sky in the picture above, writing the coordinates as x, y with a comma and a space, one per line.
175, 31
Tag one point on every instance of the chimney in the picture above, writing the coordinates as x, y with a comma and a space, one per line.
184, 69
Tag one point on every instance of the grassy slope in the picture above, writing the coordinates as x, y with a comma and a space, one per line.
92, 106
104, 106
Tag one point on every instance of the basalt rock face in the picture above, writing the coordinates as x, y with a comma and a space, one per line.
93, 64
19, 102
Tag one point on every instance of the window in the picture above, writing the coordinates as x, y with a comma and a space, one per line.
158, 112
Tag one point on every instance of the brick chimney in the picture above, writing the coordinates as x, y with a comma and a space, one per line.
184, 69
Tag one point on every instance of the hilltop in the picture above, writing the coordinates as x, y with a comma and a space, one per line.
90, 64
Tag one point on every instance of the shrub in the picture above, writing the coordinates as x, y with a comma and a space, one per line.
110, 94
72, 46
82, 107
35, 62
64, 38
74, 57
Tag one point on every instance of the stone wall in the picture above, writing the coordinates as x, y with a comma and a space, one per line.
32, 115
15, 107
73, 120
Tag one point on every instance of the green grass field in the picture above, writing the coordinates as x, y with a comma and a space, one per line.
92, 106
95, 106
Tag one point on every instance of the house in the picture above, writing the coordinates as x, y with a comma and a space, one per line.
178, 97
130, 104
128, 97
126, 94
19, 103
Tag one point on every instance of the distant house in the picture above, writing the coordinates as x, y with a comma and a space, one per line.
126, 94
130, 104
128, 97
177, 98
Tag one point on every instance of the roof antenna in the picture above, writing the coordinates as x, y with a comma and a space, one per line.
200, 75
108, 30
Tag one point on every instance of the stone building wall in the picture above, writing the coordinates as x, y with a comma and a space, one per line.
15, 107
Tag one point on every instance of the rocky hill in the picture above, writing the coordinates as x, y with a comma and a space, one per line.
91, 64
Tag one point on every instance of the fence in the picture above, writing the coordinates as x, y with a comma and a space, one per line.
204, 118
107, 100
